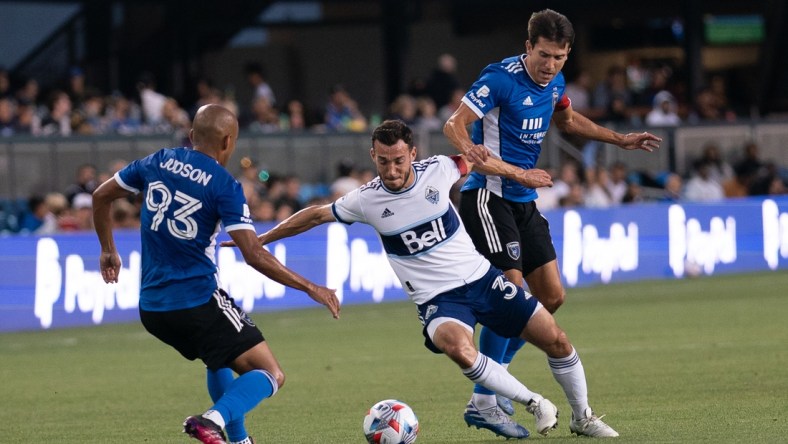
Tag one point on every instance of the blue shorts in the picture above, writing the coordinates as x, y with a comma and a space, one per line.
492, 301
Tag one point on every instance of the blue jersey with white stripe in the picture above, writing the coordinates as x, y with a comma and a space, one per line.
514, 114
186, 195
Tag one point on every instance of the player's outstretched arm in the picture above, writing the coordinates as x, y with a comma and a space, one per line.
533, 178
574, 123
109, 260
261, 260
303, 220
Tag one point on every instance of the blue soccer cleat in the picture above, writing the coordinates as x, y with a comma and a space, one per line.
494, 420
505, 404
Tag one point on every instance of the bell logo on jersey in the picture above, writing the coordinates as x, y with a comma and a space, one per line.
417, 242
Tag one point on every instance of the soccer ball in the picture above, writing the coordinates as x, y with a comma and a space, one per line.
391, 422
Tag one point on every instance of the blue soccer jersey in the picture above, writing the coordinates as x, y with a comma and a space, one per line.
186, 195
514, 113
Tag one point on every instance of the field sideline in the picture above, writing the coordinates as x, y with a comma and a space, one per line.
667, 361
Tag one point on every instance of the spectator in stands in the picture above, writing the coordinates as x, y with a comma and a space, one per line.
5, 83
90, 118
25, 116
446, 111
701, 187
28, 93
265, 119
58, 120
579, 92
123, 116
443, 80
596, 194
664, 111
290, 195
252, 181
174, 121
7, 117
739, 184
85, 182
403, 108
719, 170
617, 185
152, 101
613, 96
709, 108
427, 117
296, 116
38, 219
751, 160
673, 186
76, 88
255, 76
768, 182
342, 113
82, 207
263, 210
124, 215
347, 179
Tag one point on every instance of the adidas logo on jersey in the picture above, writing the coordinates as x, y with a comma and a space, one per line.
528, 101
386, 213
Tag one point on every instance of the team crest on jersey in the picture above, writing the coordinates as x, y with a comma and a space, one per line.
432, 195
513, 248
555, 97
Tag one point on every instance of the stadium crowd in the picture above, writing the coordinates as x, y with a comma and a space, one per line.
633, 95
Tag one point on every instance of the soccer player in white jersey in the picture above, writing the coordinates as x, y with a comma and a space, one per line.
510, 107
453, 285
187, 194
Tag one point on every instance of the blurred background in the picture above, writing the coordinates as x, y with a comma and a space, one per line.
86, 86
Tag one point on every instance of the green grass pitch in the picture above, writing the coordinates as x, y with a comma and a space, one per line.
696, 360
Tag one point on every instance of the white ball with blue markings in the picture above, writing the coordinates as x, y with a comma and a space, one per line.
391, 422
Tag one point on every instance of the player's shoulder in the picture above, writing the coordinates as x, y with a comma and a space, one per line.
510, 66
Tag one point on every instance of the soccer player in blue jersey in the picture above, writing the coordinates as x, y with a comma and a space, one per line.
510, 107
187, 195
454, 286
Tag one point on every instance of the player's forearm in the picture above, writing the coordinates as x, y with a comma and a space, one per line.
496, 167
103, 224
582, 126
298, 223
458, 135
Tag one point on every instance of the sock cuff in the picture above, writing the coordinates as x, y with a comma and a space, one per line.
477, 369
561, 365
271, 379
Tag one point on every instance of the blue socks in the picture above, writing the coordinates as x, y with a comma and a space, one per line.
234, 397
497, 348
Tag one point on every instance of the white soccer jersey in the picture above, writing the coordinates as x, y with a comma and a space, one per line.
425, 240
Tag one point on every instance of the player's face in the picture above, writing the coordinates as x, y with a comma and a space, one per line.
545, 59
393, 164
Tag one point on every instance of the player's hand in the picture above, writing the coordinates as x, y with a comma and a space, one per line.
327, 297
110, 266
641, 141
534, 178
477, 154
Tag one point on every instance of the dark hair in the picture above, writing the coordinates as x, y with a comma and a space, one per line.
552, 26
391, 131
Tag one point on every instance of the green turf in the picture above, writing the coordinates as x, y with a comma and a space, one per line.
667, 361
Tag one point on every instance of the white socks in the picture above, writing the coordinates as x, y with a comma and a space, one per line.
570, 375
493, 376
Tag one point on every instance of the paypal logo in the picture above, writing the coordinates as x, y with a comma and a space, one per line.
690, 246
585, 249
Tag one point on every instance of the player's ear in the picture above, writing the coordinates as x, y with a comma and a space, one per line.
528, 46
372, 154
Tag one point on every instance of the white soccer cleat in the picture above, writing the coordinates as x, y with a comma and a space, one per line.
546, 414
591, 426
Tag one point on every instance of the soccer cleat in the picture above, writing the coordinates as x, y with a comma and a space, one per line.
591, 426
204, 430
546, 414
494, 420
505, 404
